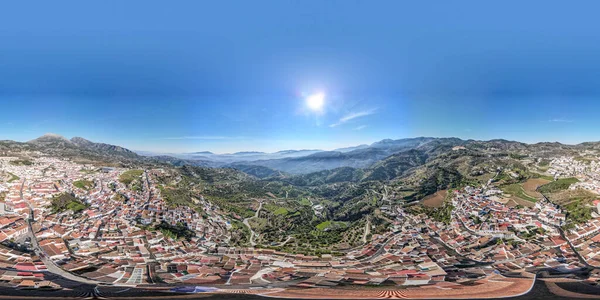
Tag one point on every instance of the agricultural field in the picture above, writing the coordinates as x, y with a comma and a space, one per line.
566, 197
514, 201
435, 200
517, 190
530, 186
277, 210
327, 225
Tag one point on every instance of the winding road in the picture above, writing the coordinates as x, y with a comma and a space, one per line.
252, 233
50, 265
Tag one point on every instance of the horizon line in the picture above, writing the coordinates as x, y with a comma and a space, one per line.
137, 150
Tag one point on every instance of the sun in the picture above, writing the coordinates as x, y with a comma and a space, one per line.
316, 101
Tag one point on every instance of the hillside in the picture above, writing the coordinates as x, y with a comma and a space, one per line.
103, 148
349, 187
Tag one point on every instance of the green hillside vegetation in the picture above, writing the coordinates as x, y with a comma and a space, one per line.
518, 156
240, 234
88, 171
536, 175
350, 195
441, 178
278, 210
343, 174
328, 225
281, 211
257, 171
305, 201
175, 231
119, 197
440, 214
176, 196
129, 176
191, 185
83, 184
290, 218
183, 192
585, 160
558, 185
578, 212
21, 162
544, 163
505, 178
566, 197
240, 209
516, 189
66, 201
13, 177
233, 191
575, 202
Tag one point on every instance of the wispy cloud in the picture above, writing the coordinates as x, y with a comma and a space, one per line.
352, 116
204, 137
560, 120
361, 127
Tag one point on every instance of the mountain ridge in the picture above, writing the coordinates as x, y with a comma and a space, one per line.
300, 161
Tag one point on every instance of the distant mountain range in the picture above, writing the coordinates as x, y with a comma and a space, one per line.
307, 161
231, 158
375, 158
58, 142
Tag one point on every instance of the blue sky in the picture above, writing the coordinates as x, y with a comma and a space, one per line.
192, 76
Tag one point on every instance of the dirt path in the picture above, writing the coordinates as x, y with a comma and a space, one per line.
289, 238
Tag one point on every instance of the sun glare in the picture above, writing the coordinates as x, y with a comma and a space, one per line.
316, 101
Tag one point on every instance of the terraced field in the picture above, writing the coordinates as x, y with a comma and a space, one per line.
530, 187
435, 200
517, 190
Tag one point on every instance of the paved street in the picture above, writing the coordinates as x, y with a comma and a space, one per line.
50, 265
